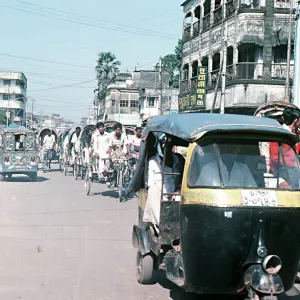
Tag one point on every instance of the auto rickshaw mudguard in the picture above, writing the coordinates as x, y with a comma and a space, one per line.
262, 282
141, 239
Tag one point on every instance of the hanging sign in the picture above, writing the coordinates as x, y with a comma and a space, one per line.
201, 87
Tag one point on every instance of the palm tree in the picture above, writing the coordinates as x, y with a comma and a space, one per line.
107, 66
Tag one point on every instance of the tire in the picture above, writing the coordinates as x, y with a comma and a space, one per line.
44, 166
144, 269
33, 177
87, 184
8, 176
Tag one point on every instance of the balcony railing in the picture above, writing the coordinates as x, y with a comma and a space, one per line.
282, 4
280, 71
187, 34
184, 87
206, 23
196, 29
230, 8
218, 15
249, 70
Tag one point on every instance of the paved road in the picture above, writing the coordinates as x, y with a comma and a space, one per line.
57, 243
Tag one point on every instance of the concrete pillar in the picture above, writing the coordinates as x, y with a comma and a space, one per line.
192, 23
212, 8
209, 68
235, 59
201, 17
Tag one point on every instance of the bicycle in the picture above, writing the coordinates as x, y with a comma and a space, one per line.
47, 157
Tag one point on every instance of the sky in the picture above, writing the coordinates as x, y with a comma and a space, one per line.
55, 43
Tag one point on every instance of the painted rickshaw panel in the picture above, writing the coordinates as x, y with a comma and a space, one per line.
19, 162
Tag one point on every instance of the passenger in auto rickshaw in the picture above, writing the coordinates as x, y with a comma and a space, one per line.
290, 119
154, 181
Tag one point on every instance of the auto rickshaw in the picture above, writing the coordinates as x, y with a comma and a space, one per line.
232, 227
18, 153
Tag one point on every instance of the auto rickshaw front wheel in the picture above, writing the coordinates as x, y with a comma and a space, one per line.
145, 268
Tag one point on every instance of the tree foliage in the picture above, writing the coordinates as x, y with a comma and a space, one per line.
171, 64
107, 66
3, 118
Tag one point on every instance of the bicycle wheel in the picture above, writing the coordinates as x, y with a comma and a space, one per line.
44, 164
87, 183
65, 168
120, 184
60, 166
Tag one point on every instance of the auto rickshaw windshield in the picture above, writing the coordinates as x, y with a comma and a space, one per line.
237, 163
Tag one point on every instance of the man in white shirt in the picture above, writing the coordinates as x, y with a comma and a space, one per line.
235, 174
75, 143
134, 144
101, 143
48, 144
118, 142
154, 182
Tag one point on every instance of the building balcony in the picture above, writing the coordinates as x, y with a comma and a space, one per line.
206, 23
12, 89
196, 29
218, 15
230, 8
244, 71
186, 34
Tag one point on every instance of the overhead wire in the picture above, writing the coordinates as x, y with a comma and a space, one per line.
92, 18
83, 23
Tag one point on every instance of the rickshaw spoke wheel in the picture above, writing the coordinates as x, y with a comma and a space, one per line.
144, 271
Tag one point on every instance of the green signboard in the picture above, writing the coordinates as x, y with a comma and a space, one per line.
195, 99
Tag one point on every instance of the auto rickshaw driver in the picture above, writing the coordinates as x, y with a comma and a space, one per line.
234, 173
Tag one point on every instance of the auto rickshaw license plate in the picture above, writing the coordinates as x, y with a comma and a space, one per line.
259, 198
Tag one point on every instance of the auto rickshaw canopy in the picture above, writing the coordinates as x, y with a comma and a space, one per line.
192, 126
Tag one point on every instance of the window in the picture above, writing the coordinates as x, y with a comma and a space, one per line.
5, 96
113, 103
237, 163
133, 103
151, 101
124, 103
6, 82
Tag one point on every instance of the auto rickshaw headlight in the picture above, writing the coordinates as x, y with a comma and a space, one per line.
272, 264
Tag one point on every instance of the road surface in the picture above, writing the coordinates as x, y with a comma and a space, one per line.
59, 244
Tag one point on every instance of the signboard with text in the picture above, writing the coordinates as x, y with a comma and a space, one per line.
201, 87
195, 99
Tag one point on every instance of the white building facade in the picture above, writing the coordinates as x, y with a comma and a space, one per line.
13, 87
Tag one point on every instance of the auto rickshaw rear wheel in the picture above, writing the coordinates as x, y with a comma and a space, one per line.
145, 268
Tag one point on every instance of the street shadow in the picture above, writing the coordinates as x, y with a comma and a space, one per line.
177, 293
25, 179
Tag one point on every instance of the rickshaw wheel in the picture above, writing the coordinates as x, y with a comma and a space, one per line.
120, 187
60, 166
144, 268
44, 167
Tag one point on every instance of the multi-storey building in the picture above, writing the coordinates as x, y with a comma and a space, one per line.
131, 97
13, 86
255, 34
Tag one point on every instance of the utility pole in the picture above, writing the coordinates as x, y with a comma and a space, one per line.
296, 91
288, 61
160, 88
8, 112
224, 66
32, 110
